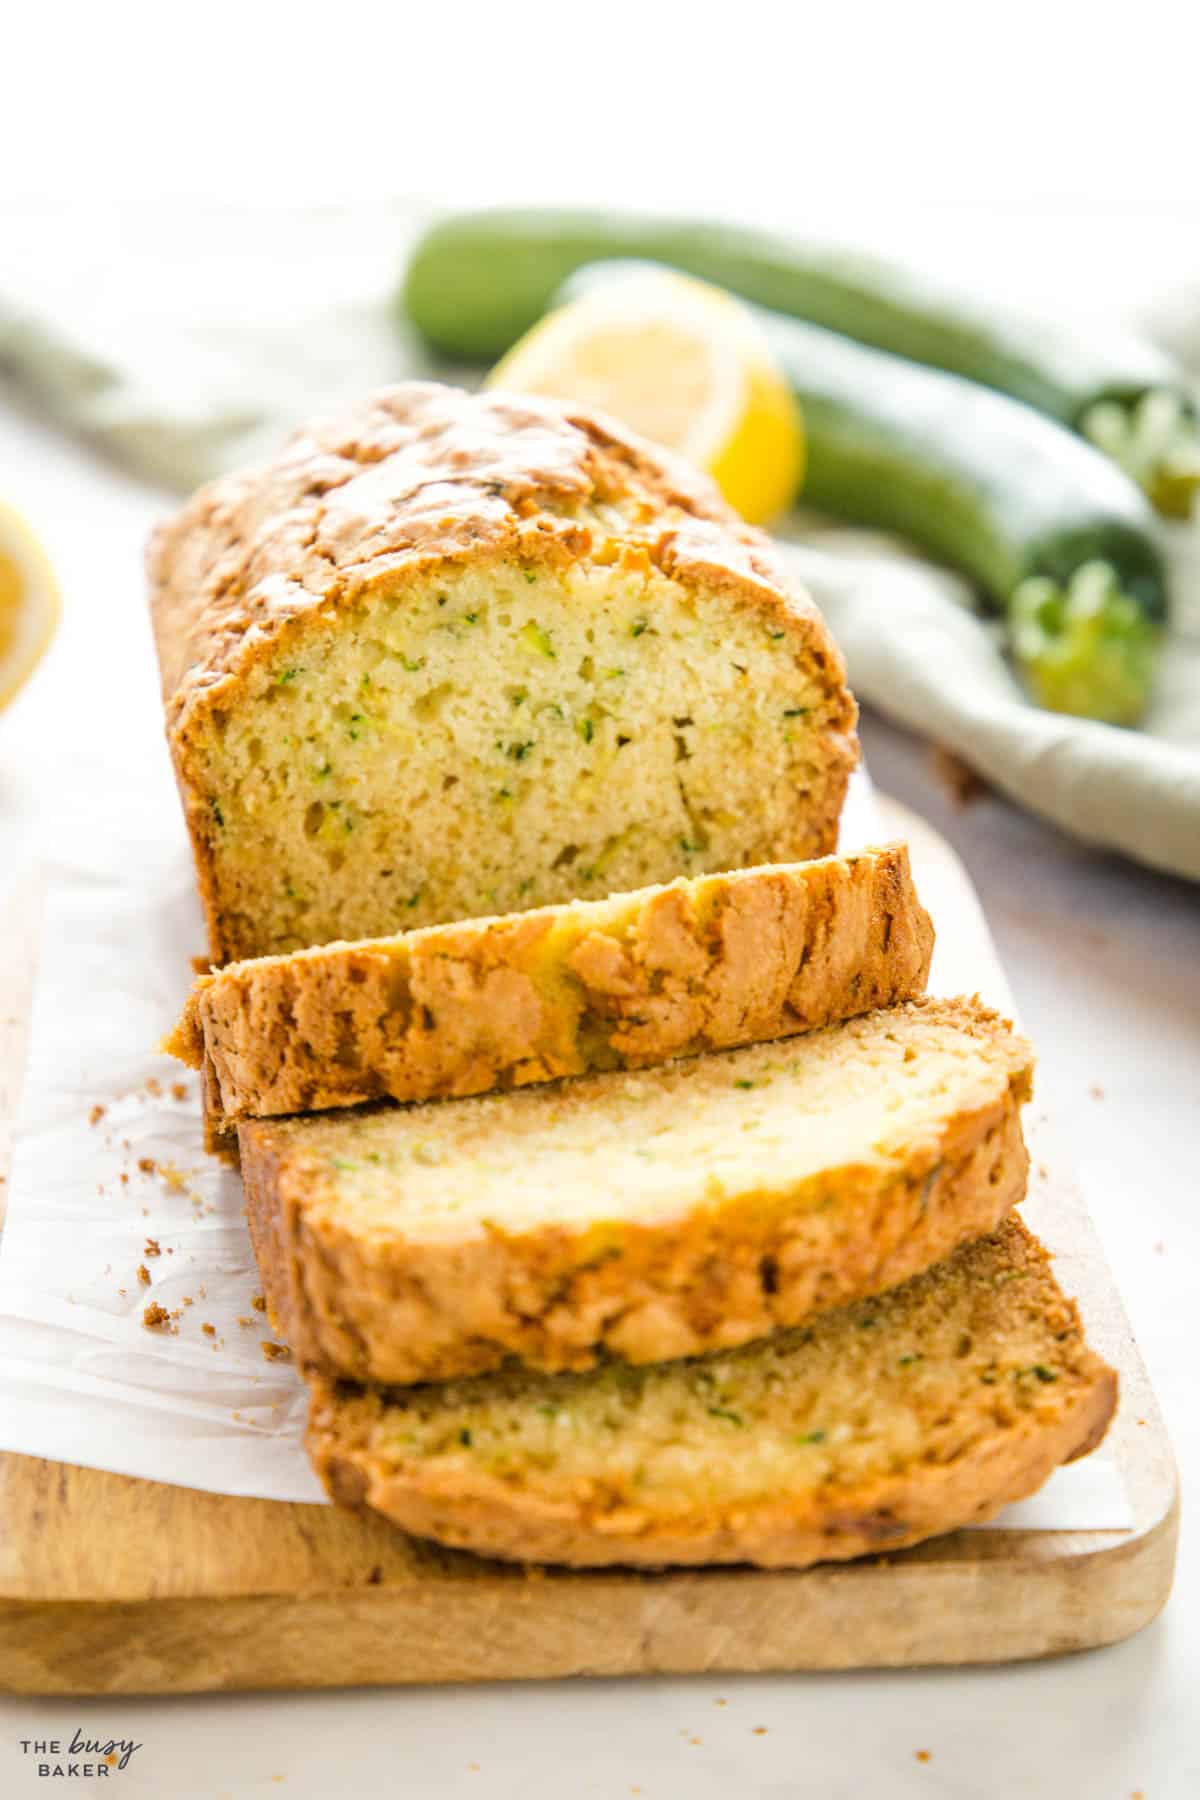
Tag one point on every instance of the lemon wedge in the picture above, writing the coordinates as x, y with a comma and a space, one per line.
682, 363
28, 603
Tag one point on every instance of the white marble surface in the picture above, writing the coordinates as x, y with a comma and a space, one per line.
1105, 962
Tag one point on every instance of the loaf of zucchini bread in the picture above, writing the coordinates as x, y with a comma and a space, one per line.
709, 962
453, 655
644, 1215
867, 1429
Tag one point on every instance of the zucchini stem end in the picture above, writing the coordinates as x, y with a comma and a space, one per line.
1155, 438
1085, 647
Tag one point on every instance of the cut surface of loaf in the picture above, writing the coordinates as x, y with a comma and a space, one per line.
650, 1215
454, 655
706, 963
868, 1429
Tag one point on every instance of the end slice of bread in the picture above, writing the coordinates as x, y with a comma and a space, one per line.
706, 963
870, 1429
666, 1213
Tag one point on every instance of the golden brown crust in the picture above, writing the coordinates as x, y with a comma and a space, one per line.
219, 1140
369, 1303
424, 476
1001, 1454
705, 963
392, 1312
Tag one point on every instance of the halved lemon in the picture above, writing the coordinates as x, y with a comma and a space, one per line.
28, 603
682, 363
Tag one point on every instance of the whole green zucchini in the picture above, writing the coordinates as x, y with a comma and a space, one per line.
1062, 542
477, 281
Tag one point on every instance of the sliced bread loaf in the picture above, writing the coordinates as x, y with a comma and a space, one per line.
636, 979
459, 654
649, 1215
866, 1430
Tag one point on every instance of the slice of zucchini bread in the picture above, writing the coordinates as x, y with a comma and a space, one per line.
665, 1213
707, 963
454, 654
868, 1429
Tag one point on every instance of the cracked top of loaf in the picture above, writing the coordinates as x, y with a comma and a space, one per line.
423, 474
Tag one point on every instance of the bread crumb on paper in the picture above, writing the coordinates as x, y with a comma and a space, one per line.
275, 1352
151, 1247
156, 1317
208, 1330
179, 1090
96, 1114
259, 1302
923, 1756
962, 785
143, 1275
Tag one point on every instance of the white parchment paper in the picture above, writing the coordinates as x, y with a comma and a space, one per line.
110, 1177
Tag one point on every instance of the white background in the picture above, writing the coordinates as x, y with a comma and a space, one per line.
1062, 104
1054, 149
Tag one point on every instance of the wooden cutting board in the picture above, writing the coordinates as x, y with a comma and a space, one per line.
110, 1585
